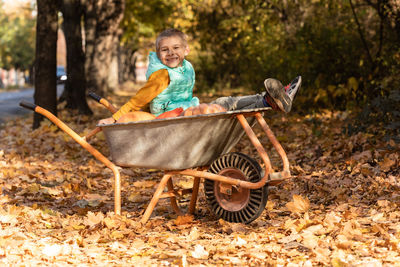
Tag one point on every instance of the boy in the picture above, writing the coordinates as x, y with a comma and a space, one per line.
171, 78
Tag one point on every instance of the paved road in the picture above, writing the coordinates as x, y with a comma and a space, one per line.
9, 103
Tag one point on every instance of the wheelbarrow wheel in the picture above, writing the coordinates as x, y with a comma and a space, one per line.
242, 205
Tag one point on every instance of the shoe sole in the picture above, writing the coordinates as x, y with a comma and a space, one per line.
276, 95
297, 87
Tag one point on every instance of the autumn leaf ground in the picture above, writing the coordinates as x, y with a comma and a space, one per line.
341, 208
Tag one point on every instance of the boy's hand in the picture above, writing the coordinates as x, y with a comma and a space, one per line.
107, 121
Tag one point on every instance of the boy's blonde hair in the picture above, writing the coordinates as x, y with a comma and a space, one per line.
169, 33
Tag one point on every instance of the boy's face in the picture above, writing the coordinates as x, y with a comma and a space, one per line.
172, 51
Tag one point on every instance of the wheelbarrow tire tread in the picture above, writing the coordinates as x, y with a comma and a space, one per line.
257, 197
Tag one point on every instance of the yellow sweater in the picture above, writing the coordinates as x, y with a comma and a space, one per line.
157, 82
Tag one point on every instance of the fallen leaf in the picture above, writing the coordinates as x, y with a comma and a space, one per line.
336, 262
387, 164
309, 240
298, 205
194, 234
111, 223
317, 229
117, 234
92, 197
331, 219
137, 197
383, 203
52, 250
184, 219
229, 228
288, 239
199, 252
239, 242
93, 219
144, 184
364, 156
366, 169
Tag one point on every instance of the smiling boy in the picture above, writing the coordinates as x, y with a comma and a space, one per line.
172, 50
171, 78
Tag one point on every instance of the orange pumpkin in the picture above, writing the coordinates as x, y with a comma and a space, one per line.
136, 116
215, 108
187, 112
203, 109
169, 114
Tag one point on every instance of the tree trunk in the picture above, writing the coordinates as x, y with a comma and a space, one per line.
75, 87
46, 52
127, 61
102, 20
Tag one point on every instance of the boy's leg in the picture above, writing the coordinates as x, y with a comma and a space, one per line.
276, 96
240, 102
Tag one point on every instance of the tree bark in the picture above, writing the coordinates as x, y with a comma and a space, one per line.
46, 52
102, 20
126, 62
75, 87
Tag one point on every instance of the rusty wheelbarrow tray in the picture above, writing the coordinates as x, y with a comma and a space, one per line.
235, 185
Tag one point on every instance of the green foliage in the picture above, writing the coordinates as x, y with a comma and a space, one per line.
143, 20
17, 43
341, 52
347, 54
230, 42
244, 42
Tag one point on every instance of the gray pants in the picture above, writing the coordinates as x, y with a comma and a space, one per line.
240, 102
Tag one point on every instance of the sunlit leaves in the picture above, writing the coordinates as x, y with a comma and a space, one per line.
17, 42
199, 252
298, 205
341, 207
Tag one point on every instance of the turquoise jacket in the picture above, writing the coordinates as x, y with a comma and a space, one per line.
179, 92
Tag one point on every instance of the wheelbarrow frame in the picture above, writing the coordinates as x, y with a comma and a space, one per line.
227, 183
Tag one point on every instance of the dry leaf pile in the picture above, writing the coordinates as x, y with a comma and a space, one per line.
341, 208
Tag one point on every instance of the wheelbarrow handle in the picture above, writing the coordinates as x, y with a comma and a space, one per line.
95, 96
103, 101
28, 105
83, 142
33, 107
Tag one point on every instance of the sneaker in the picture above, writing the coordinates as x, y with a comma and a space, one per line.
292, 88
276, 95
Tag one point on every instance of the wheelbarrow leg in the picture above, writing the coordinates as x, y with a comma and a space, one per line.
173, 199
193, 200
155, 198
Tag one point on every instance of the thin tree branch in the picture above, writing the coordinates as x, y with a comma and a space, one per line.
364, 41
381, 28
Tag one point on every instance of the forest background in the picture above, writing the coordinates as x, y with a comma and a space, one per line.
348, 52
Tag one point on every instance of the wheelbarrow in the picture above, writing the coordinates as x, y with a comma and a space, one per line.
235, 186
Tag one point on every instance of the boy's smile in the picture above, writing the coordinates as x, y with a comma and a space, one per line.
172, 51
